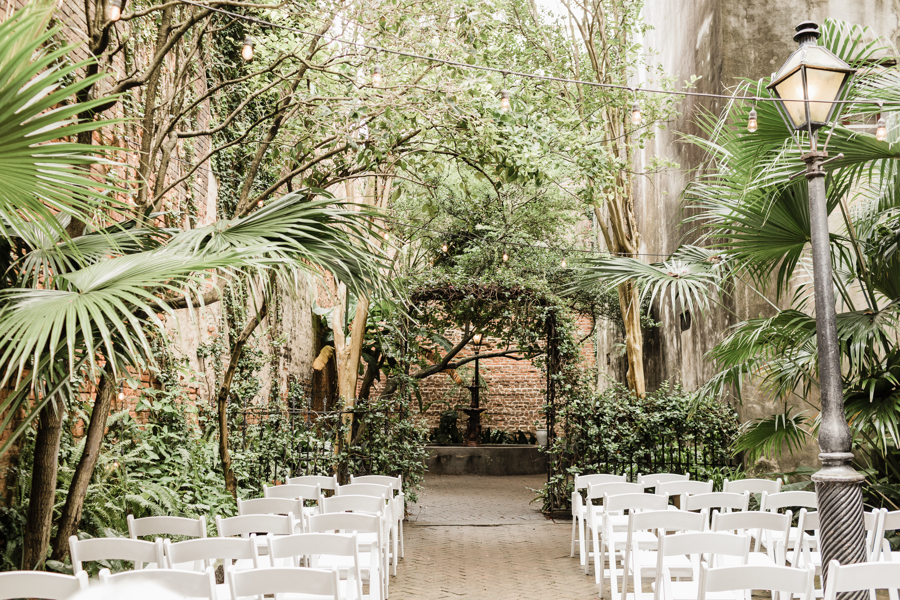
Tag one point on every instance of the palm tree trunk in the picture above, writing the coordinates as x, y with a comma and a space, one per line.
43, 487
71, 512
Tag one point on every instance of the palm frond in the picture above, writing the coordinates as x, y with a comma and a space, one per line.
43, 176
771, 436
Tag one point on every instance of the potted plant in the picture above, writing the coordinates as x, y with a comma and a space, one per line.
540, 434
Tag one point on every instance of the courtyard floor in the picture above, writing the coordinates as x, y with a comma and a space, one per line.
481, 538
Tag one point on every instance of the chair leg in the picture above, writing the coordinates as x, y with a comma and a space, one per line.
396, 557
574, 524
599, 558
401, 538
582, 541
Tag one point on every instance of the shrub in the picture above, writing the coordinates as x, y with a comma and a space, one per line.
613, 431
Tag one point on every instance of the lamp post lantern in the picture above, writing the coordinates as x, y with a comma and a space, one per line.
473, 427
809, 86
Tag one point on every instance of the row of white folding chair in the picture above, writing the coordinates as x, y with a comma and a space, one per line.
369, 485
396, 483
639, 531
871, 576
297, 583
38, 584
583, 482
369, 534
648, 513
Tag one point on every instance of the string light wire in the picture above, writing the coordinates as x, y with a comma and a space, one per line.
505, 71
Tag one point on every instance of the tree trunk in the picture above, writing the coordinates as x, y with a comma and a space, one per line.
630, 306
43, 487
237, 350
70, 518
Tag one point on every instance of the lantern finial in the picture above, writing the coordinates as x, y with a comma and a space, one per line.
807, 32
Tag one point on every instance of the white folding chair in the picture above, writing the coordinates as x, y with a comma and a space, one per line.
399, 507
325, 482
654, 479
37, 584
781, 501
786, 581
881, 550
181, 584
141, 553
370, 532
725, 502
256, 527
197, 555
326, 550
613, 542
271, 506
579, 510
295, 583
166, 526
754, 486
755, 523
863, 576
642, 563
682, 489
594, 515
709, 546
383, 491
295, 491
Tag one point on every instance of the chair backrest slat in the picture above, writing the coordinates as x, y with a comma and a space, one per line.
136, 551
166, 526
633, 502
773, 502
396, 483
654, 479
599, 489
356, 504
244, 525
325, 482
292, 491
38, 584
270, 506
358, 522
209, 550
365, 489
770, 578
676, 488
862, 576
285, 580
727, 500
583, 481
186, 584
754, 486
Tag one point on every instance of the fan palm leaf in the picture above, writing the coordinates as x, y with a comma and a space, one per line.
42, 175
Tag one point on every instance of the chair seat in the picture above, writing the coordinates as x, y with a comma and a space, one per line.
757, 559
679, 566
689, 590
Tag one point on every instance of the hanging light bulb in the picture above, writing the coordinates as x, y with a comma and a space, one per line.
752, 124
636, 112
115, 463
504, 100
445, 248
505, 257
564, 264
115, 10
247, 50
121, 395
376, 76
387, 236
260, 204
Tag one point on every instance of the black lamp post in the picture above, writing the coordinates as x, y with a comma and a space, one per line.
473, 426
808, 86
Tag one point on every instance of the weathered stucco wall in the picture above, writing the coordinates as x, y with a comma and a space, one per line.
721, 41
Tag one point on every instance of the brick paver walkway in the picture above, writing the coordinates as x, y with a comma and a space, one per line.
479, 538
